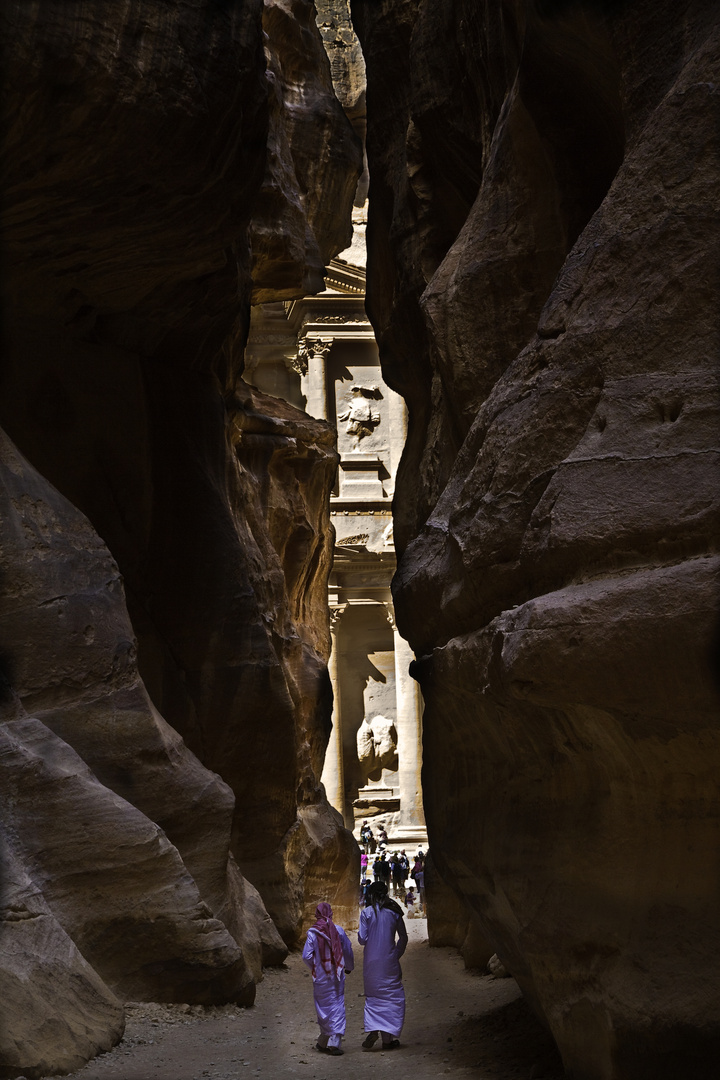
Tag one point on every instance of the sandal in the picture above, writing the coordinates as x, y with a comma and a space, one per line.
334, 1050
394, 1045
370, 1040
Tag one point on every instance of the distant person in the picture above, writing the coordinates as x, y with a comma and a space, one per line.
377, 868
364, 886
410, 903
383, 836
385, 870
363, 864
382, 932
420, 883
328, 953
397, 872
366, 837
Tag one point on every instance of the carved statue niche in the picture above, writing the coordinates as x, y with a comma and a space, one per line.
377, 746
362, 418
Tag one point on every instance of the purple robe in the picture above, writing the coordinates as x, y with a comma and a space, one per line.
328, 987
384, 994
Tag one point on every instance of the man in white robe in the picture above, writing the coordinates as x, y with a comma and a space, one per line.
382, 932
328, 953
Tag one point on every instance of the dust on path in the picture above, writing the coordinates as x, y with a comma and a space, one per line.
458, 1023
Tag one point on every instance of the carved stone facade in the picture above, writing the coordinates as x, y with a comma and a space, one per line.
320, 354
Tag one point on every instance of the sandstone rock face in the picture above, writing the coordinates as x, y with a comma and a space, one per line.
452, 921
112, 879
57, 1012
347, 67
165, 533
296, 227
317, 858
96, 844
287, 838
347, 64
543, 255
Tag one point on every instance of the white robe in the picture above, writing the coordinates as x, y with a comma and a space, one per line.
384, 994
328, 988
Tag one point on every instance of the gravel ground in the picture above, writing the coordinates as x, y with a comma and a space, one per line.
458, 1023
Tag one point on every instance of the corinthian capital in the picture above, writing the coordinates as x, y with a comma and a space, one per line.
310, 347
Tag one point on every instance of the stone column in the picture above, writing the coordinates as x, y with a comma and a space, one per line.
333, 774
409, 732
314, 352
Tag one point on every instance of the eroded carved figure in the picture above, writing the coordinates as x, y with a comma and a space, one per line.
362, 418
377, 746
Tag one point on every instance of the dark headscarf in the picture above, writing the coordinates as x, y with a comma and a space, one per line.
330, 946
377, 895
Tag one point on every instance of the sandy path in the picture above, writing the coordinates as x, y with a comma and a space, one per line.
458, 1023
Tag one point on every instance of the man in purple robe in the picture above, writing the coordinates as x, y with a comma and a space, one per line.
382, 932
328, 953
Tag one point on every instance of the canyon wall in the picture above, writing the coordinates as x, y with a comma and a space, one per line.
542, 279
164, 528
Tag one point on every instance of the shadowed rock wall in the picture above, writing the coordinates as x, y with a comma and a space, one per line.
543, 279
299, 221
165, 539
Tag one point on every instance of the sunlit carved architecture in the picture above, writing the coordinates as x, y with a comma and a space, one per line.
320, 354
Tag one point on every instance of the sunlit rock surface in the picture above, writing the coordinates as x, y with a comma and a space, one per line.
165, 538
347, 66
543, 273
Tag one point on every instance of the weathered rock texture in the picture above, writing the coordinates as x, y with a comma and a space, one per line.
298, 221
347, 66
57, 1012
97, 890
165, 533
452, 921
288, 839
543, 278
